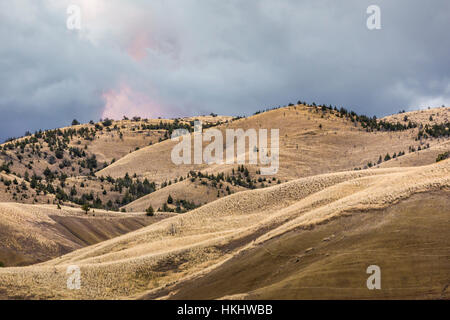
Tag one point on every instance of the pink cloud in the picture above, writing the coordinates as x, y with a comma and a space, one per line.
138, 46
126, 101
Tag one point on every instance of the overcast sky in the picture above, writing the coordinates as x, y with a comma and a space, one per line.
178, 58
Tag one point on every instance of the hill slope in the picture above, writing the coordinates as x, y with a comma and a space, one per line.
176, 249
31, 234
409, 241
312, 142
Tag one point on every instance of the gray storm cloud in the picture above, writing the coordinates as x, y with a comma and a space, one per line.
172, 58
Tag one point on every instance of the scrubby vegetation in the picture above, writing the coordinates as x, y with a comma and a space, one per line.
370, 124
434, 131
443, 156
150, 211
61, 167
57, 165
178, 205
240, 176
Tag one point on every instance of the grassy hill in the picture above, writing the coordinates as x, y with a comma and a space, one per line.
313, 141
160, 259
35, 233
111, 164
350, 191
409, 241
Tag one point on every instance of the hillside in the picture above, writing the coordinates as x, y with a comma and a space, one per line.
118, 165
31, 234
159, 260
58, 166
409, 241
347, 186
313, 140
186, 153
341, 139
428, 116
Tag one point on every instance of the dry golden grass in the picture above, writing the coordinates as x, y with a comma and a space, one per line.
25, 196
154, 261
36, 233
438, 115
111, 143
184, 190
108, 145
305, 149
418, 158
184, 246
409, 241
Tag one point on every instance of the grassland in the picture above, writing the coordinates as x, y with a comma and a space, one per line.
309, 232
31, 234
180, 248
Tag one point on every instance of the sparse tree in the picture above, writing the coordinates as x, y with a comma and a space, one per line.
150, 212
85, 207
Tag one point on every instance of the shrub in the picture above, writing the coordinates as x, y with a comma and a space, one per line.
51, 160
150, 212
59, 153
85, 207
107, 122
443, 156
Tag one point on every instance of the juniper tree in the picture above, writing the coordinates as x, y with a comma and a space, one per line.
150, 212
85, 207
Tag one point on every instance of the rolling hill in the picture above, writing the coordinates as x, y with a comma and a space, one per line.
31, 234
166, 257
350, 192
312, 141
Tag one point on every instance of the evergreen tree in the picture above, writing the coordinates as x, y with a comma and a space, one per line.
150, 212
85, 207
